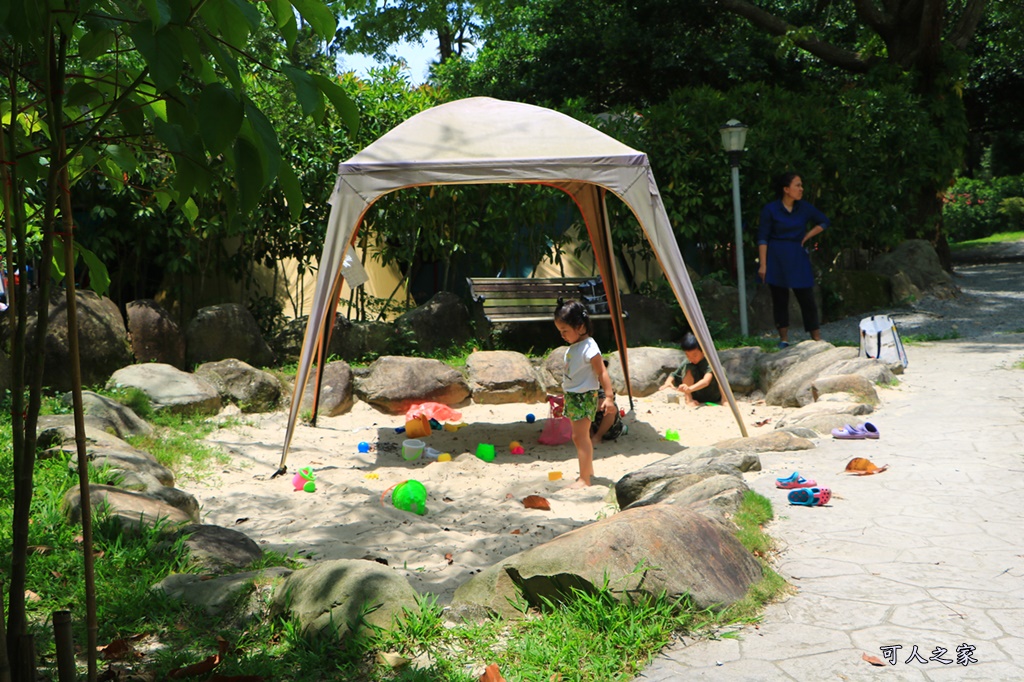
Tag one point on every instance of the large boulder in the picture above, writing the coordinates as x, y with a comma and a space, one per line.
648, 368
678, 551
333, 597
857, 291
123, 466
552, 369
350, 341
774, 365
155, 336
742, 367
117, 418
226, 330
441, 322
336, 391
393, 384
650, 321
791, 388
703, 462
253, 390
219, 596
503, 376
170, 389
168, 506
102, 339
215, 548
353, 341
917, 260
852, 384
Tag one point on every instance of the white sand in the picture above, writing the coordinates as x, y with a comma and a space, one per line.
474, 508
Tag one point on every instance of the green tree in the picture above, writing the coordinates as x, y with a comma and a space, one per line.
92, 88
610, 53
923, 40
377, 27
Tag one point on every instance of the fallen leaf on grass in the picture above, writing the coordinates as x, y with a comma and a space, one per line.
873, 660
491, 674
119, 649
204, 666
861, 466
536, 502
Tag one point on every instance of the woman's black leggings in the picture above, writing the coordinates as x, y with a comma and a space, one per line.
780, 307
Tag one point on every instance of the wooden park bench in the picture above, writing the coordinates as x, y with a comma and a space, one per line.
526, 299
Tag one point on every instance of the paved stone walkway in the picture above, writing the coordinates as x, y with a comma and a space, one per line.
926, 558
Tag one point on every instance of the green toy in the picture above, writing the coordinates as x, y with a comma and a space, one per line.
410, 496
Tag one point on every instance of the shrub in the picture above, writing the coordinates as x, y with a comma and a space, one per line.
1012, 210
971, 208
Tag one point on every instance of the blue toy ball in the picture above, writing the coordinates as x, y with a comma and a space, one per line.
530, 419
364, 447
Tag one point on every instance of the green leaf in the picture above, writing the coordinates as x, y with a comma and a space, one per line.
289, 184
99, 277
248, 174
265, 139
190, 48
220, 117
159, 12
163, 199
122, 156
81, 93
130, 114
162, 53
284, 20
57, 273
190, 211
319, 17
226, 61
343, 104
232, 19
94, 43
308, 94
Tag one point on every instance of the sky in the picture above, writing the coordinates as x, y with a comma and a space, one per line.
418, 58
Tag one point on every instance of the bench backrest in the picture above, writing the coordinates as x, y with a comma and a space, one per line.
525, 299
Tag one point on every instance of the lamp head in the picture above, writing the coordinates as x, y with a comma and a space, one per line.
734, 136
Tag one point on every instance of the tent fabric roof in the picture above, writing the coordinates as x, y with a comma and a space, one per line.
483, 140
481, 130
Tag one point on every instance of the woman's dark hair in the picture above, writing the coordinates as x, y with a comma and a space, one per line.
783, 181
689, 342
574, 314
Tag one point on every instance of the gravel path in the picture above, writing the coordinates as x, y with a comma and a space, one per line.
991, 302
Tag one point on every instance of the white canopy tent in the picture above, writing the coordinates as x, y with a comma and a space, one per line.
482, 140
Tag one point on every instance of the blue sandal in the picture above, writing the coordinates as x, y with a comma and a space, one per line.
794, 481
810, 497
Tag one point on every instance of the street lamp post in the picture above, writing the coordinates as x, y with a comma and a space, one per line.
734, 136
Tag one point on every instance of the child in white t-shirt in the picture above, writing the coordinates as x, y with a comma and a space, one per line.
583, 375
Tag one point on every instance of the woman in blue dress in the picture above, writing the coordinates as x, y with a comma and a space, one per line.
787, 224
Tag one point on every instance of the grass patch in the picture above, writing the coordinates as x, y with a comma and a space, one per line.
593, 635
915, 339
1019, 364
998, 238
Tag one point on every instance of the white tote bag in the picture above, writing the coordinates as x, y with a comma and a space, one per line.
880, 340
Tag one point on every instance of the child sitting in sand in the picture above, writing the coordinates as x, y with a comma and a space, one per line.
583, 375
693, 378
